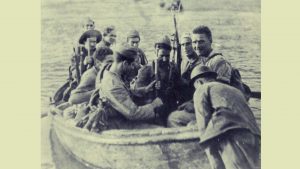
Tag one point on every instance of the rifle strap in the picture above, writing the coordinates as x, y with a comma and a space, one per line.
106, 67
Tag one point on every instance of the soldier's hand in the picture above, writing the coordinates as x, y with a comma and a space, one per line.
93, 108
158, 85
187, 106
150, 87
93, 116
157, 102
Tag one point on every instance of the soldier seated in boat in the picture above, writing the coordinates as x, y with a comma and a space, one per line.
82, 93
185, 112
109, 36
121, 110
133, 39
94, 37
228, 131
90, 116
167, 78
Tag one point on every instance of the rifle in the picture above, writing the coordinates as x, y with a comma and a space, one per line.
156, 75
78, 62
176, 46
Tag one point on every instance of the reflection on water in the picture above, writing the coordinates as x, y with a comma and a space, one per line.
235, 26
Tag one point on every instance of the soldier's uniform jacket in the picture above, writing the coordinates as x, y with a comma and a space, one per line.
87, 81
217, 63
220, 108
117, 95
186, 70
142, 56
169, 82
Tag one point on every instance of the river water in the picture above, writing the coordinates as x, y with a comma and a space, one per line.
235, 26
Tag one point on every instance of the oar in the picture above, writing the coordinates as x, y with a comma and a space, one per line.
255, 94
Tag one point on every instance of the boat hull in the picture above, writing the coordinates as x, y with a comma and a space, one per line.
162, 148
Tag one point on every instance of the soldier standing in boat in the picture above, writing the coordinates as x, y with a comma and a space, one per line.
167, 78
121, 110
228, 131
133, 39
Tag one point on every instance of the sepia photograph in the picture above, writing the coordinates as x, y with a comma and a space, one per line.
150, 84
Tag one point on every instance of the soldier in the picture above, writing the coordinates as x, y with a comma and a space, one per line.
82, 93
228, 130
109, 36
133, 39
190, 60
167, 78
185, 112
202, 43
89, 24
121, 111
89, 39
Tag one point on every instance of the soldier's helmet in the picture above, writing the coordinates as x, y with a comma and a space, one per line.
202, 71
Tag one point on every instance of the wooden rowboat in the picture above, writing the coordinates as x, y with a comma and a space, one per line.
160, 148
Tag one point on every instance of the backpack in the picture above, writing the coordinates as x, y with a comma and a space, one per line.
236, 80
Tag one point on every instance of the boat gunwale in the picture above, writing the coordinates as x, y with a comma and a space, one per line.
128, 137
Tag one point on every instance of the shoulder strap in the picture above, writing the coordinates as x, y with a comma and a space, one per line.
106, 67
153, 65
215, 54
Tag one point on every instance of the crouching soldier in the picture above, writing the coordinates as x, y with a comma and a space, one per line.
228, 130
121, 111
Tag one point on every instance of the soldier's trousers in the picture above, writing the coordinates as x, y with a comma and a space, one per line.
237, 150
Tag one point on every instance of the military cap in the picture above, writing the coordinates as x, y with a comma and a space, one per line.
164, 42
202, 71
126, 49
90, 34
185, 38
133, 34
